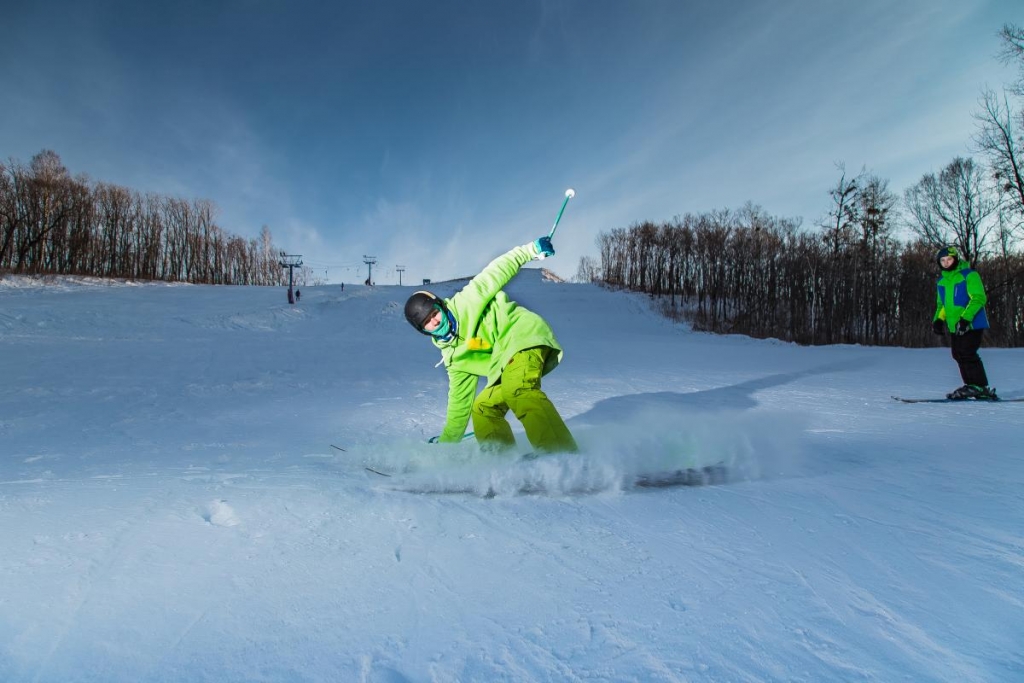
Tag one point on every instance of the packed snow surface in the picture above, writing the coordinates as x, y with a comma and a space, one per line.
174, 505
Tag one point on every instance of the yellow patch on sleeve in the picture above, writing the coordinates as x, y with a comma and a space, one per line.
477, 344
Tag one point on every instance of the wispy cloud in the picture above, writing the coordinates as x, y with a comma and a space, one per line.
437, 139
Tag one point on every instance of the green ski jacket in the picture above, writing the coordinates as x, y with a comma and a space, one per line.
491, 329
960, 294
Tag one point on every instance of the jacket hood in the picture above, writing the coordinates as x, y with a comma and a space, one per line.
954, 251
961, 264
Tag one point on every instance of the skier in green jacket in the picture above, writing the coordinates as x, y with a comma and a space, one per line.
960, 310
483, 333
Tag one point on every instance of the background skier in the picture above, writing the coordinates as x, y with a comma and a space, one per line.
483, 333
960, 310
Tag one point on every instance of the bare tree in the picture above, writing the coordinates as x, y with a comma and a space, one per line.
840, 229
1001, 142
46, 202
952, 208
875, 215
589, 270
999, 135
1013, 52
11, 176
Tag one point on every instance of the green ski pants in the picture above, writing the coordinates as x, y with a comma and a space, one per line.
519, 389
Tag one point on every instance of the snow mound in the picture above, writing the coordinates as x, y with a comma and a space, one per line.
219, 513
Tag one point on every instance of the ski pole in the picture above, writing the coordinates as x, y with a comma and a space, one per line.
569, 194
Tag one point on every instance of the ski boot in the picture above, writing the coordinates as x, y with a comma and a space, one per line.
960, 393
986, 394
972, 391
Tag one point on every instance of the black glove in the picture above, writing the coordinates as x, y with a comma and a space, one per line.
939, 327
962, 326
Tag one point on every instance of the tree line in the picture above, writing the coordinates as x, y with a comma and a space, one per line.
53, 223
851, 280
746, 272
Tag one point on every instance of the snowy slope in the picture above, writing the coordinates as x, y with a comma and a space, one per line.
171, 508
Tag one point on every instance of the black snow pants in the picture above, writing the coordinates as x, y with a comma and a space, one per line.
965, 353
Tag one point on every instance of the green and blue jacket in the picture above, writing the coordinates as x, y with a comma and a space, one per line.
961, 296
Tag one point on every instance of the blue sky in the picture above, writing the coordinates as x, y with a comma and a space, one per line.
435, 135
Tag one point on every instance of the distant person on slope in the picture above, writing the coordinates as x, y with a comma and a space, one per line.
483, 333
960, 310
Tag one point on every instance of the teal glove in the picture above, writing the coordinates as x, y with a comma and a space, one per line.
543, 247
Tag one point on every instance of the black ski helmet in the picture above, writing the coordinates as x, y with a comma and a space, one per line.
949, 250
420, 307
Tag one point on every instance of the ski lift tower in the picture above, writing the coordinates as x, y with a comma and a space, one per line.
291, 262
369, 261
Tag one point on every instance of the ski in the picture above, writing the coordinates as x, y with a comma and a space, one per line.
704, 476
954, 400
710, 475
